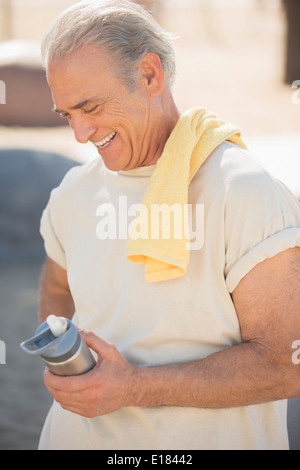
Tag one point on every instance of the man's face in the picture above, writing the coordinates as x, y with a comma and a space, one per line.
86, 90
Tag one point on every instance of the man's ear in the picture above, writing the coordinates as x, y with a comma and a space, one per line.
152, 74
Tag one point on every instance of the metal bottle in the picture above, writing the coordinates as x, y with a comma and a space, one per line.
61, 347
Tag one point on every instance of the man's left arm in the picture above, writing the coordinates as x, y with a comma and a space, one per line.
260, 369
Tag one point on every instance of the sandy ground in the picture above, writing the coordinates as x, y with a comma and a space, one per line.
230, 60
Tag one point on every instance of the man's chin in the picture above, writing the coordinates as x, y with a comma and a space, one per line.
116, 163
113, 165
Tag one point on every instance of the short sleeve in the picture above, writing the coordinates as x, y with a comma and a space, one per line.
262, 219
51, 230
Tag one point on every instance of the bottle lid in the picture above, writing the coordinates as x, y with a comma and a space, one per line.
57, 348
57, 325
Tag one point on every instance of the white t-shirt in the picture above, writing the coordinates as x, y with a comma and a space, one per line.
248, 216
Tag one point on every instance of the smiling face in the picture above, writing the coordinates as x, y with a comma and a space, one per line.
129, 129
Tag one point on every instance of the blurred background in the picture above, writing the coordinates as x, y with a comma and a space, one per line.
239, 58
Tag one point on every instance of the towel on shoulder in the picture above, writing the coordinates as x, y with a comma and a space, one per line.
196, 135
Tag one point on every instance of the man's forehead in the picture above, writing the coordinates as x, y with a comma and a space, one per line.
87, 56
80, 78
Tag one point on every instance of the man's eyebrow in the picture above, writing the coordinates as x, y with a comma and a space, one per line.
80, 105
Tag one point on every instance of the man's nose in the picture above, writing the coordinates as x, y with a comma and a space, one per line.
83, 129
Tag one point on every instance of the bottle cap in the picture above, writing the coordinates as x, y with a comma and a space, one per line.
57, 325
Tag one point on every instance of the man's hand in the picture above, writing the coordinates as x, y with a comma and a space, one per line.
258, 370
104, 389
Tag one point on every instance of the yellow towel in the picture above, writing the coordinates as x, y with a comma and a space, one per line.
197, 133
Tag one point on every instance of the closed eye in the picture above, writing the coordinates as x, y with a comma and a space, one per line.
88, 111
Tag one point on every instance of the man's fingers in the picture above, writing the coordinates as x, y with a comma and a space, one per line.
56, 383
80, 382
99, 345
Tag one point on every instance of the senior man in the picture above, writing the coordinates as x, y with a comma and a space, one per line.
194, 345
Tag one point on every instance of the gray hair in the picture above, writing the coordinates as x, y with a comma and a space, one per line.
124, 29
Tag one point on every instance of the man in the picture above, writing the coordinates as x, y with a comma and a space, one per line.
200, 361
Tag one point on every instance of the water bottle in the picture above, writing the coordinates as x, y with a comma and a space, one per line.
61, 347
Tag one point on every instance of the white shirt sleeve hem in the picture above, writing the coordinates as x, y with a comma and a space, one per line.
271, 246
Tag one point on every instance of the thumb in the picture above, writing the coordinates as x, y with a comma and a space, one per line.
97, 344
